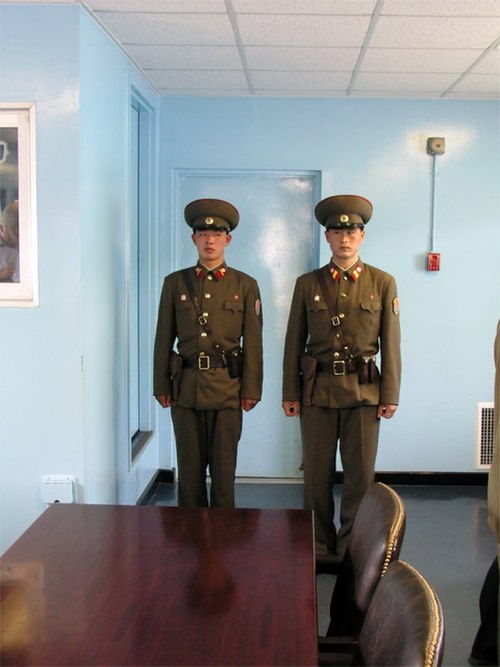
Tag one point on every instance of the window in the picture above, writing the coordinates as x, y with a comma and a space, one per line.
139, 295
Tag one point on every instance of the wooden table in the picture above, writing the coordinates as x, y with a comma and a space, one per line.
144, 585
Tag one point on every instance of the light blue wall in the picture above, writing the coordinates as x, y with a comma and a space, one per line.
106, 82
41, 386
63, 387
376, 148
63, 382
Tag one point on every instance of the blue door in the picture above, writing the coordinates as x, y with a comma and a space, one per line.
275, 241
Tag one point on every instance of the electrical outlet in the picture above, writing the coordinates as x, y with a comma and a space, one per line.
58, 488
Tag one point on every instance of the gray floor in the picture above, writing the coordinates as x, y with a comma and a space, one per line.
447, 539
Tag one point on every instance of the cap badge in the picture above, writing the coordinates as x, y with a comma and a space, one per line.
344, 218
317, 297
209, 221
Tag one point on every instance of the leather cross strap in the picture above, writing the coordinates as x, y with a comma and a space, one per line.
320, 275
202, 320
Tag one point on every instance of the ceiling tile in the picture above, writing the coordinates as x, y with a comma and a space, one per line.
141, 28
389, 48
301, 80
178, 6
490, 64
301, 58
198, 79
418, 60
441, 7
279, 30
185, 57
348, 7
406, 82
434, 33
479, 83
206, 92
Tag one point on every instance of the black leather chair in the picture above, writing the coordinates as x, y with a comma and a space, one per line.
375, 541
404, 625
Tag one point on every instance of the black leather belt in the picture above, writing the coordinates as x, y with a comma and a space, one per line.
204, 362
338, 367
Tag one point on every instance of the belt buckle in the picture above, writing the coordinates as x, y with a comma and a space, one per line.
203, 362
338, 367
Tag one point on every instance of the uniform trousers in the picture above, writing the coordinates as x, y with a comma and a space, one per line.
206, 439
357, 430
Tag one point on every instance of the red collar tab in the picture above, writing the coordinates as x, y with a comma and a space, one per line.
217, 273
352, 273
334, 274
356, 272
220, 272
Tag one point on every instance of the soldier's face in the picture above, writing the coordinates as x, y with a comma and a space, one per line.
345, 244
211, 247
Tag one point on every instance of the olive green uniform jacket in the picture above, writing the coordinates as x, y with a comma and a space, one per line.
367, 306
230, 301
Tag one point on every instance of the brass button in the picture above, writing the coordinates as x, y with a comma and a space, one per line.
208, 296
341, 315
343, 295
203, 334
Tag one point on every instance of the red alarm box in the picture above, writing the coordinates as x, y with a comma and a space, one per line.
433, 261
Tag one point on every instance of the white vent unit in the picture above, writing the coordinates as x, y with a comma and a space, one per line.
484, 435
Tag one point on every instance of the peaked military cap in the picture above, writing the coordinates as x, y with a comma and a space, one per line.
211, 214
344, 212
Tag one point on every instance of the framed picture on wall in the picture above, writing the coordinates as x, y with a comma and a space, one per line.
18, 239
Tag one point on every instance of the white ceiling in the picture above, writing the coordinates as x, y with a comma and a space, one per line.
330, 48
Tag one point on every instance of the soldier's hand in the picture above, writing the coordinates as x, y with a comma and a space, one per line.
164, 401
386, 410
248, 404
291, 408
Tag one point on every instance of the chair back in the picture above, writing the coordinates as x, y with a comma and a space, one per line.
375, 541
404, 625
